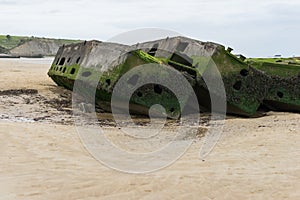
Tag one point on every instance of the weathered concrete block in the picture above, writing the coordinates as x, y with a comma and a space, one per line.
247, 84
284, 91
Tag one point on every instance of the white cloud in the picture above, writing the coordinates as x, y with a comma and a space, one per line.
251, 27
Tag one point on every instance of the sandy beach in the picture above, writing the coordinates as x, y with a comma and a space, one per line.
42, 156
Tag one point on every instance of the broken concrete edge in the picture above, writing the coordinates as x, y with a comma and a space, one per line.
235, 67
234, 72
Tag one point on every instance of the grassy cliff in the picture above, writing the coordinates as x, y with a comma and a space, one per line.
18, 44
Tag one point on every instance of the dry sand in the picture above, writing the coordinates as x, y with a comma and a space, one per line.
42, 157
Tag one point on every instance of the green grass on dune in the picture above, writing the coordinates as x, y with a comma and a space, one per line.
12, 41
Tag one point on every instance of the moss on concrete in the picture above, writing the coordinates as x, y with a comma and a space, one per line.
284, 91
248, 84
104, 89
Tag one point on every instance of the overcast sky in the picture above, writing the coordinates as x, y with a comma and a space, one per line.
253, 28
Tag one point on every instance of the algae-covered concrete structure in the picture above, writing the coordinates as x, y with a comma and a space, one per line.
245, 86
248, 83
284, 89
105, 63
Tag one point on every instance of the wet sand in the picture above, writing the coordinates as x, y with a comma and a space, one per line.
42, 156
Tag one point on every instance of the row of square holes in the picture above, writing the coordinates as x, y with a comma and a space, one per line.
63, 69
62, 62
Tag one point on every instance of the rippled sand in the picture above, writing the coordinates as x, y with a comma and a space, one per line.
42, 156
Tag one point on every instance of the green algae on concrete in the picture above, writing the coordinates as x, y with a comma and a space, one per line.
245, 86
284, 91
65, 74
248, 83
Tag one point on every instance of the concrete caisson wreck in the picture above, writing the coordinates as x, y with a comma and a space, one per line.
248, 84
284, 86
